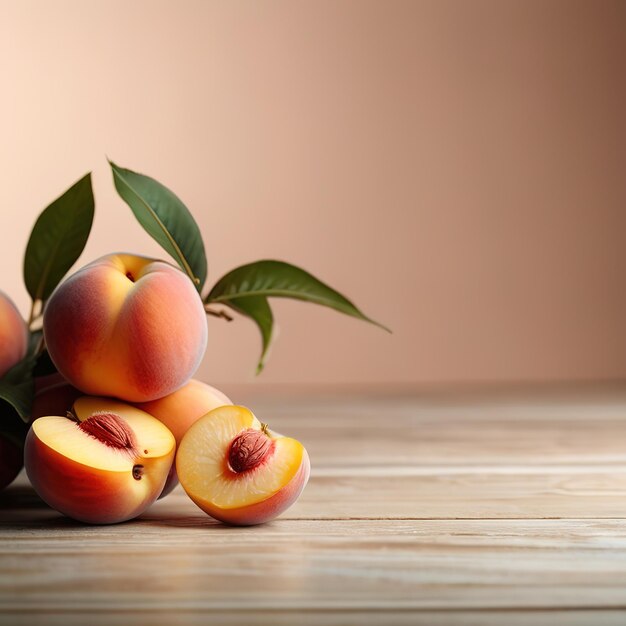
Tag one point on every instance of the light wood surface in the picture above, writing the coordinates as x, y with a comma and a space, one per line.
439, 508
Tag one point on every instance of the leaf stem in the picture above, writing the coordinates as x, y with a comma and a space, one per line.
34, 315
221, 313
31, 315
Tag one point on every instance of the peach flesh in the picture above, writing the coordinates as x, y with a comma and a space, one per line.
127, 327
237, 470
267, 510
105, 466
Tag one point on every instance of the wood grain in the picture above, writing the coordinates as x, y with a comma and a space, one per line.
457, 511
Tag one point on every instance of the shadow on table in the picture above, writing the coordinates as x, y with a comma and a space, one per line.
22, 509
20, 497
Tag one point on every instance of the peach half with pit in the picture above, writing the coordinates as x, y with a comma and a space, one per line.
105, 462
237, 470
179, 410
126, 326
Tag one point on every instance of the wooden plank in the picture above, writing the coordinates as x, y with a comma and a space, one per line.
202, 532
316, 565
453, 495
410, 493
371, 617
442, 430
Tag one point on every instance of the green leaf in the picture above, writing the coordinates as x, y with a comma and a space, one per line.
276, 279
247, 288
166, 219
257, 308
17, 386
58, 239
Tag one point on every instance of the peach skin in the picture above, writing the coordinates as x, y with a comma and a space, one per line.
107, 465
126, 326
13, 335
179, 410
237, 470
54, 399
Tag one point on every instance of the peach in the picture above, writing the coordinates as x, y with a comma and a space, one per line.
126, 326
55, 399
13, 335
179, 410
48, 380
237, 470
107, 465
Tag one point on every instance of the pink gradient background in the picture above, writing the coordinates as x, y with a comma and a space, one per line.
455, 168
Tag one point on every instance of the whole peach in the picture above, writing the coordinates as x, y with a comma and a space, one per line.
179, 410
126, 326
13, 335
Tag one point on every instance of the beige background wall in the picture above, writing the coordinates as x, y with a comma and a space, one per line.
453, 167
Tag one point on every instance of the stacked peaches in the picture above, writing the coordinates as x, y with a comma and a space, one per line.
125, 421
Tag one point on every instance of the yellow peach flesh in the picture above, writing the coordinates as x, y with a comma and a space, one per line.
156, 440
204, 472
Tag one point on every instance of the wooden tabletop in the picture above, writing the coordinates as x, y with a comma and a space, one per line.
422, 508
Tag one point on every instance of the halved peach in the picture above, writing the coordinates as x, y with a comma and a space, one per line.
237, 470
105, 466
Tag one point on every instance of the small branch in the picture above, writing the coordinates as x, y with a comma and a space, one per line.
221, 313
32, 316
36, 314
